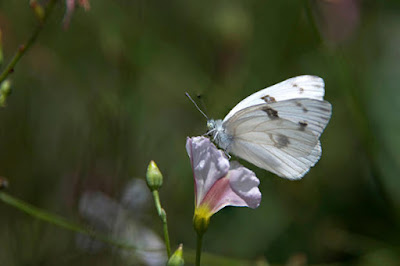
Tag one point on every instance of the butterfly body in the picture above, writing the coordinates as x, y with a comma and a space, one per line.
219, 134
277, 128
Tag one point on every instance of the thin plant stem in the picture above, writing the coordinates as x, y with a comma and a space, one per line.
163, 216
166, 235
198, 248
58, 220
24, 47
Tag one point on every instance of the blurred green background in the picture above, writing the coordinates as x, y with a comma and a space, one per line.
91, 105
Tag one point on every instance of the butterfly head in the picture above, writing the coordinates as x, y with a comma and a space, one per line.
211, 124
214, 127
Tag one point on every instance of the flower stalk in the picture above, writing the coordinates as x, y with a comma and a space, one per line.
25, 47
154, 180
163, 216
199, 247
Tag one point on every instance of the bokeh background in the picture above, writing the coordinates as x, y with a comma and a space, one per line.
93, 103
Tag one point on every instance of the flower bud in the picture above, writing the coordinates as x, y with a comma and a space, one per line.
5, 90
177, 258
37, 9
154, 177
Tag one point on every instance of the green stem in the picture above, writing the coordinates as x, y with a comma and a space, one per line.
58, 220
163, 216
24, 47
166, 235
198, 248
157, 202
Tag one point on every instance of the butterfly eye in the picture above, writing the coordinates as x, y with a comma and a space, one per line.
210, 124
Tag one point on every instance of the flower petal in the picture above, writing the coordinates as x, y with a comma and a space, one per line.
239, 188
208, 163
220, 196
245, 184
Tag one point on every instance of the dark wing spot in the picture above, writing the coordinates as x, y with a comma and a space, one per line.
305, 110
282, 141
303, 126
301, 90
272, 114
268, 99
295, 85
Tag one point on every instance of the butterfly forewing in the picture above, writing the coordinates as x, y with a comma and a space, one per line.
301, 87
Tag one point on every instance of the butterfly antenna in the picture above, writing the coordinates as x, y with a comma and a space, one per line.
200, 98
195, 104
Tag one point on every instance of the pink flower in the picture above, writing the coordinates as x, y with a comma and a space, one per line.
217, 182
70, 7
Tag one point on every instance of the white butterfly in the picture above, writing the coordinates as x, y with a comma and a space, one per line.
277, 128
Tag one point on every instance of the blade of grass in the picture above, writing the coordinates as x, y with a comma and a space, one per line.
58, 220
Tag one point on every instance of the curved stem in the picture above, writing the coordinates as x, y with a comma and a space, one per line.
163, 216
198, 248
24, 47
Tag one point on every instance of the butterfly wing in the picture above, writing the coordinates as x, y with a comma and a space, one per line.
275, 160
309, 87
279, 137
308, 113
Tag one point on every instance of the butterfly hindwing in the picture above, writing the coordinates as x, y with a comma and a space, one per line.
278, 145
275, 160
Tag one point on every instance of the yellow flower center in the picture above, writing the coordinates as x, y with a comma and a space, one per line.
201, 218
